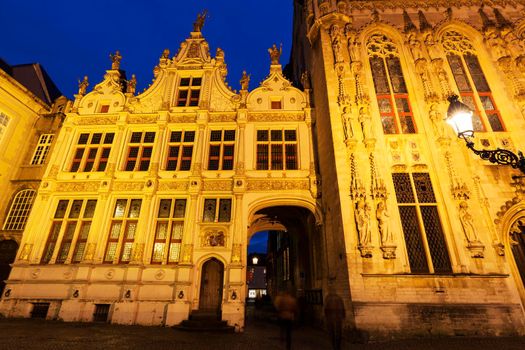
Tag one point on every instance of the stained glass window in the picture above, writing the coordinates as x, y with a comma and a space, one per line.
471, 82
389, 83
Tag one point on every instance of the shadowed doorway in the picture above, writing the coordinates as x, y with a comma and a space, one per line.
211, 287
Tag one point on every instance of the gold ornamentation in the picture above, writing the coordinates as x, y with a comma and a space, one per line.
138, 252
222, 118
95, 120
142, 119
187, 253
26, 252
128, 186
277, 117
277, 185
182, 119
173, 185
236, 252
213, 238
90, 251
77, 187
221, 185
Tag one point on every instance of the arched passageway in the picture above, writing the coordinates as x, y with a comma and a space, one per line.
294, 257
8, 250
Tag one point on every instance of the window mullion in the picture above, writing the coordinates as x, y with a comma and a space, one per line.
392, 97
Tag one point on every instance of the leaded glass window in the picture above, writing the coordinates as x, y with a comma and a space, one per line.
389, 83
424, 237
20, 209
168, 232
217, 210
180, 150
122, 231
471, 82
70, 228
42, 149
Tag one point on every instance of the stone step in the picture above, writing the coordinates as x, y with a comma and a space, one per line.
204, 322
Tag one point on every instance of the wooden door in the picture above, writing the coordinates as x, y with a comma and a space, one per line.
211, 285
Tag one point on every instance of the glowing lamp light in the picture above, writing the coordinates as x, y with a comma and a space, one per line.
255, 260
459, 117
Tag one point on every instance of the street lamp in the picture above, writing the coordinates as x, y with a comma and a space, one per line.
459, 116
255, 260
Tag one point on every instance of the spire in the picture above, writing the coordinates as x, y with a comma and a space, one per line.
501, 21
423, 23
487, 22
409, 25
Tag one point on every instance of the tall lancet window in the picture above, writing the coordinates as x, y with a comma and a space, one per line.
470, 80
391, 91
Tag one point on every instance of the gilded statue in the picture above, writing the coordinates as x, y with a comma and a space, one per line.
245, 81
82, 86
199, 22
115, 59
132, 85
275, 53
165, 54
305, 80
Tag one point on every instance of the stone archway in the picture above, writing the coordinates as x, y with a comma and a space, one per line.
8, 250
512, 221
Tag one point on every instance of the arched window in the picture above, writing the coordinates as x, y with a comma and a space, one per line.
19, 211
470, 80
391, 91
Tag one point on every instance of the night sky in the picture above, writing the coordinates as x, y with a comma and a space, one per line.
74, 38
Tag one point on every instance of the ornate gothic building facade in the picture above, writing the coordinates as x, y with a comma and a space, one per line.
148, 204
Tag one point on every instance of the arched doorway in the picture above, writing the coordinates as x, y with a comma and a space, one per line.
294, 259
8, 250
212, 276
517, 246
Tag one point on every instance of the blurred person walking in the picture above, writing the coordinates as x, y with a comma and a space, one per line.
334, 312
287, 310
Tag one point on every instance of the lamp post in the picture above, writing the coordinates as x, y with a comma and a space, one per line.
459, 116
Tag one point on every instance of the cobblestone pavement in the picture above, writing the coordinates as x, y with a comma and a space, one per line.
38, 334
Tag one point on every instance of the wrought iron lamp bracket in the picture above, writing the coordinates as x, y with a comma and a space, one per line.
498, 155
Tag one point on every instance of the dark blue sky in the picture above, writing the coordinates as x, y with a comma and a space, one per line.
258, 243
74, 38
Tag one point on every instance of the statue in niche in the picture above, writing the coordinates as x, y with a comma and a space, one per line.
415, 47
366, 125
245, 81
199, 22
132, 85
82, 86
347, 123
115, 60
363, 223
336, 44
383, 224
437, 120
467, 223
433, 50
275, 53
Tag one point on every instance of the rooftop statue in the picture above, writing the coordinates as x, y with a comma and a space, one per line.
275, 53
115, 65
199, 22
82, 86
245, 81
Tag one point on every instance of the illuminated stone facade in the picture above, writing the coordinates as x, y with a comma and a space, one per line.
428, 230
147, 193
30, 117
144, 188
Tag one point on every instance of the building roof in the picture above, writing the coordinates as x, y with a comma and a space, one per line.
35, 78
